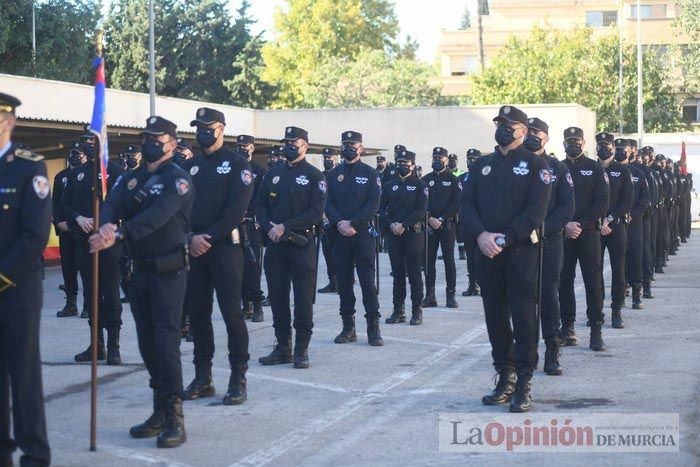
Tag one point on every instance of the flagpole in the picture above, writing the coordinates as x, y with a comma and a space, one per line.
95, 278
640, 89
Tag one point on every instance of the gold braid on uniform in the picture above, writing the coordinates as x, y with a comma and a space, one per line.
29, 155
5, 283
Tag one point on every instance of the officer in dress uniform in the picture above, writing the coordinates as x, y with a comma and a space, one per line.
225, 184
153, 204
330, 161
614, 226
25, 220
290, 208
444, 191
582, 244
649, 219
251, 292
76, 206
354, 189
559, 212
465, 237
504, 203
402, 210
66, 243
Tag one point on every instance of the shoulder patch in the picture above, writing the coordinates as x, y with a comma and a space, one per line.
545, 176
193, 170
246, 177
322, 186
182, 186
569, 179
41, 186
28, 155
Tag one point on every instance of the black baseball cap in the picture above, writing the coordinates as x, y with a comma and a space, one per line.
537, 124
207, 116
406, 155
573, 132
8, 103
330, 152
605, 138
293, 133
157, 126
245, 139
511, 114
351, 137
439, 151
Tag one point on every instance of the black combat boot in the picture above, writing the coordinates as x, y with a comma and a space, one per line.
247, 310
637, 297
173, 434
301, 351
462, 253
201, 386
647, 290
416, 315
84, 314
551, 356
113, 355
236, 393
258, 316
520, 401
616, 319
430, 300
71, 308
281, 354
266, 301
684, 240
659, 270
472, 290
398, 316
332, 286
86, 355
348, 334
451, 302
568, 335
155, 423
597, 343
374, 336
504, 388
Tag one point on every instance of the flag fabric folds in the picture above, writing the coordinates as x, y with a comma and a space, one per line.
98, 125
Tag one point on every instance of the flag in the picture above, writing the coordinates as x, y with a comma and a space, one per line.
98, 126
683, 163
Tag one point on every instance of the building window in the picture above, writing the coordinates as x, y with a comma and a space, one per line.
461, 65
690, 112
655, 11
601, 19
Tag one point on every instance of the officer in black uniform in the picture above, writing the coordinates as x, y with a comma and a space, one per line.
591, 194
225, 184
559, 211
132, 158
649, 220
444, 191
132, 155
381, 165
273, 157
354, 189
390, 172
504, 203
614, 226
153, 204
465, 237
76, 206
183, 152
66, 243
290, 208
665, 191
330, 161
25, 220
251, 292
672, 172
402, 210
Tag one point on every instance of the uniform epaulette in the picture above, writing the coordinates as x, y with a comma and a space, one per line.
29, 155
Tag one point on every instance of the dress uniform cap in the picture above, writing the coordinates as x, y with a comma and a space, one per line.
183, 143
605, 138
473, 153
135, 148
647, 150
207, 116
158, 126
245, 139
510, 114
622, 142
8, 103
573, 132
440, 151
351, 137
406, 155
633, 142
330, 152
398, 148
381, 159
537, 124
292, 133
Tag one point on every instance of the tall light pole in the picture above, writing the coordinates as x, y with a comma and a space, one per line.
151, 58
481, 33
620, 73
640, 95
34, 35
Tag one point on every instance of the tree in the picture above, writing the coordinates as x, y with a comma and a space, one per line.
312, 32
466, 21
65, 31
247, 88
554, 67
688, 23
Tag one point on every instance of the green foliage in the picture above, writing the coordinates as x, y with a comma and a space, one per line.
466, 21
65, 31
575, 66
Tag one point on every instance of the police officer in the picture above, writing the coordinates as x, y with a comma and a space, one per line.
672, 171
559, 212
132, 156
452, 165
390, 172
25, 220
444, 190
614, 226
183, 152
504, 202
403, 207
665, 192
330, 161
354, 189
381, 165
225, 186
76, 206
273, 157
66, 243
582, 244
465, 237
649, 220
290, 206
251, 292
153, 204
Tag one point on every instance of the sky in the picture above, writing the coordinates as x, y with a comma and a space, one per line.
420, 19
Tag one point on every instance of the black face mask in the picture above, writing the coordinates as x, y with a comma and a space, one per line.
131, 162
179, 158
89, 150
290, 152
242, 152
438, 165
206, 137
152, 150
74, 159
604, 153
573, 149
271, 163
348, 152
403, 170
620, 154
328, 164
504, 135
452, 164
532, 143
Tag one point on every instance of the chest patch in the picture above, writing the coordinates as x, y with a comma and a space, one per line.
156, 189
341, 177
81, 176
446, 183
224, 168
64, 181
431, 183
486, 170
275, 179
394, 188
615, 174
302, 180
194, 169
361, 180
586, 173
521, 169
410, 188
